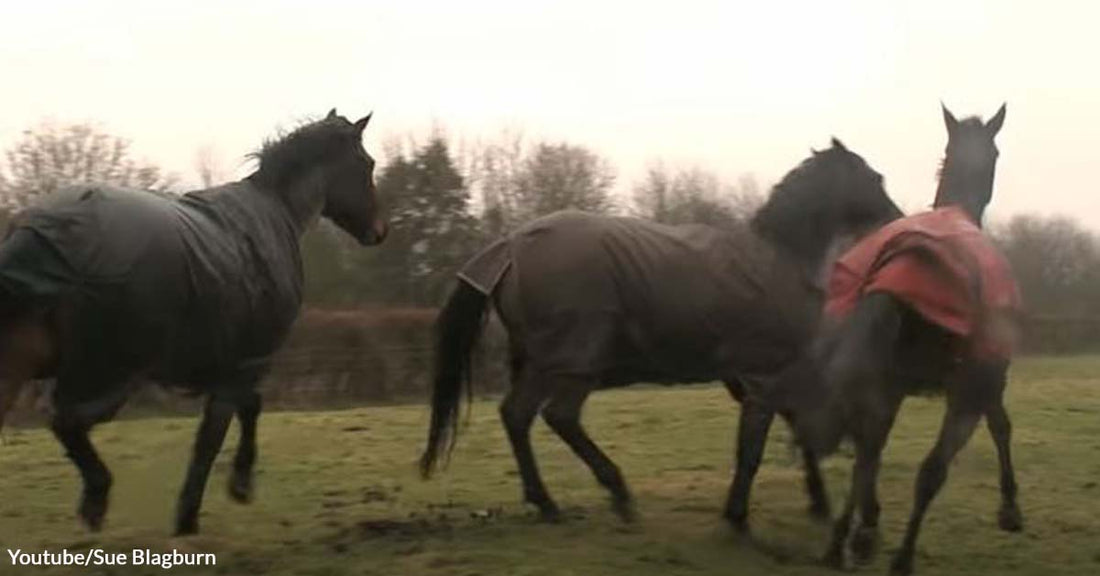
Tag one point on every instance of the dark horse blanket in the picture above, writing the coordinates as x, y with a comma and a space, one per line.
180, 288
628, 298
941, 265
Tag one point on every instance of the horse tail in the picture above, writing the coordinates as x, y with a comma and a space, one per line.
457, 331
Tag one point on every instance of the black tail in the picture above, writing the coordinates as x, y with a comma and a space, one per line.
457, 331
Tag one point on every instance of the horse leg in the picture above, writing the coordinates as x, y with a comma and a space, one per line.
958, 426
517, 412
248, 412
563, 415
820, 509
25, 348
869, 431
834, 556
865, 539
9, 393
72, 433
752, 434
1009, 517
215, 420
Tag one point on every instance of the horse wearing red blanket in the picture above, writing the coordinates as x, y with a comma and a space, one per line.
926, 303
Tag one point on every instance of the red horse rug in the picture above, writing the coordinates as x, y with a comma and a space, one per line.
944, 267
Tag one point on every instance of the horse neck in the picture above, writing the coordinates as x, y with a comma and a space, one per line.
806, 239
966, 189
303, 199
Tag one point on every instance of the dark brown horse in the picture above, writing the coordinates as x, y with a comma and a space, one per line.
593, 302
101, 288
932, 310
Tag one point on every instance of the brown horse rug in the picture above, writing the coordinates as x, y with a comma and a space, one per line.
683, 300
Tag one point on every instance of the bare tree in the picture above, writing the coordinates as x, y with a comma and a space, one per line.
694, 196
493, 173
209, 166
559, 176
1056, 263
50, 156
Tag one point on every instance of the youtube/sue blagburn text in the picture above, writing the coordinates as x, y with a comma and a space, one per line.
100, 557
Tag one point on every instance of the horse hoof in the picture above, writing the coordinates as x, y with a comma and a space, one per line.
187, 527
739, 522
240, 489
1010, 519
820, 513
93, 522
901, 566
865, 544
834, 559
624, 508
92, 512
549, 513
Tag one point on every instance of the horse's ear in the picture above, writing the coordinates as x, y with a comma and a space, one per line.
331, 114
815, 151
839, 145
361, 123
995, 123
949, 119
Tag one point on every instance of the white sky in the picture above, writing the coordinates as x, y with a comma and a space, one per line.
733, 87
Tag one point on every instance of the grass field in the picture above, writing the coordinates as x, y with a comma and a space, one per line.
338, 492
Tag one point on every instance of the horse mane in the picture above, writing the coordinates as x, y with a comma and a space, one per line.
783, 217
286, 155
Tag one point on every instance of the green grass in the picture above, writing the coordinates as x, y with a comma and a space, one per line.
338, 492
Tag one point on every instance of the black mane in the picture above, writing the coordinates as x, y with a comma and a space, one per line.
283, 158
784, 217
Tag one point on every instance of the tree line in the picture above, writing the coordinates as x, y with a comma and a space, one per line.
444, 202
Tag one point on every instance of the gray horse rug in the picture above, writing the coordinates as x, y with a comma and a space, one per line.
211, 277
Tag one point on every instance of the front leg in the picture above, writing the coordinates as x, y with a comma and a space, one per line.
248, 413
208, 442
752, 434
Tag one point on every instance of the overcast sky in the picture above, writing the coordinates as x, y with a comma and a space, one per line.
733, 87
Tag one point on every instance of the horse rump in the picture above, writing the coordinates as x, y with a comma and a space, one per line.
32, 274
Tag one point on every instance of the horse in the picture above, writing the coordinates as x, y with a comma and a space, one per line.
103, 288
924, 305
592, 302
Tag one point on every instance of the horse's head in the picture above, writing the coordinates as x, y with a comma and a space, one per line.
322, 169
351, 198
969, 163
833, 194
857, 200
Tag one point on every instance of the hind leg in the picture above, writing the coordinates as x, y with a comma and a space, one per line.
208, 442
870, 439
1009, 517
73, 435
752, 434
26, 347
75, 413
517, 412
248, 413
958, 426
563, 415
9, 393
